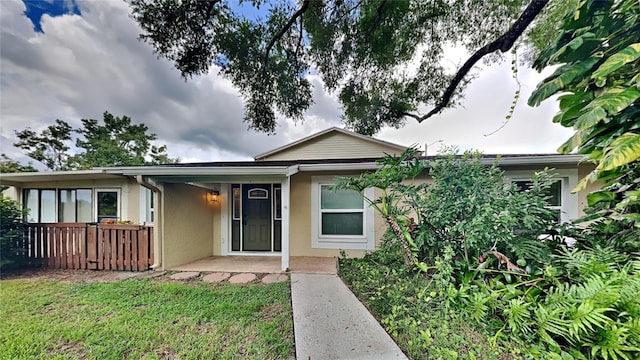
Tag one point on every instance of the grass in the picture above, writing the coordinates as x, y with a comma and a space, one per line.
144, 319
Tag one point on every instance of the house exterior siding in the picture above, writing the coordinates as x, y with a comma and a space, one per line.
188, 226
333, 145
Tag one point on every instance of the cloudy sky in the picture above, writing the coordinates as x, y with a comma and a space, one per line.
85, 58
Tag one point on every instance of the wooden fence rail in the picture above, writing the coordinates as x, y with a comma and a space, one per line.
91, 246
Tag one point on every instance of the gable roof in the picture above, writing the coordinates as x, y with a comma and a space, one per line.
306, 141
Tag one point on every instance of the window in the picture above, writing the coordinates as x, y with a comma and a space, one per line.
71, 205
258, 194
74, 205
561, 199
342, 212
340, 219
553, 194
40, 205
277, 203
107, 204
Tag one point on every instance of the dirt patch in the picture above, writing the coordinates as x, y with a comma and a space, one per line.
82, 276
73, 350
272, 311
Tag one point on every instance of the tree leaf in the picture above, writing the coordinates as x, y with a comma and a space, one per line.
622, 151
616, 61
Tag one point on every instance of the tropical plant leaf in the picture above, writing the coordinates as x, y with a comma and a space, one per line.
618, 60
600, 196
574, 141
615, 99
622, 151
590, 118
565, 75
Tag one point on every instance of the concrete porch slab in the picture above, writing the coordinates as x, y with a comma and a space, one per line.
261, 264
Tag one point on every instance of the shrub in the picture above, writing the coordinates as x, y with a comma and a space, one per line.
12, 236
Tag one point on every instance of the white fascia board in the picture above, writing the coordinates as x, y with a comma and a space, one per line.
572, 159
186, 171
339, 167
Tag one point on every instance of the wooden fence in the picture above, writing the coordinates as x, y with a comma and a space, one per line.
91, 246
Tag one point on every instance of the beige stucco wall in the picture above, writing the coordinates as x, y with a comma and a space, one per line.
129, 193
187, 224
584, 170
334, 145
300, 224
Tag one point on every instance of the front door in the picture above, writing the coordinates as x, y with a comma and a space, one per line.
256, 217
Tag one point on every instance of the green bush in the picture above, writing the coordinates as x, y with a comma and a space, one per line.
487, 287
12, 236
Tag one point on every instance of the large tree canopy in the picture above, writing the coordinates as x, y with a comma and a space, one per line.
114, 142
383, 57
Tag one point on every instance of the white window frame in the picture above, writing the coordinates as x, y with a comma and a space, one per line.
569, 179
95, 202
366, 241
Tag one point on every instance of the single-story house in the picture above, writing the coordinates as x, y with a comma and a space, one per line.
277, 205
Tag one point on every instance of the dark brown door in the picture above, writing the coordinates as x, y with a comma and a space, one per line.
256, 217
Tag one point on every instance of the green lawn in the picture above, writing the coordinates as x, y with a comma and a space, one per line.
144, 319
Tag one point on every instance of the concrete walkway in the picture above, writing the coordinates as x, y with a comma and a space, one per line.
330, 323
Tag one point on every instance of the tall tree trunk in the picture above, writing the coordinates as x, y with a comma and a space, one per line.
406, 249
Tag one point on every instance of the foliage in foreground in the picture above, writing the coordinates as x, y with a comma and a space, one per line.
483, 267
597, 55
144, 319
384, 58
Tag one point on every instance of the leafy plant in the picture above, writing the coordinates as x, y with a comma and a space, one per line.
598, 54
12, 236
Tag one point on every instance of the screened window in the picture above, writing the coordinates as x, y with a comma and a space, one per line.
341, 212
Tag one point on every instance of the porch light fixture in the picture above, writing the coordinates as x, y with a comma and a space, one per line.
213, 196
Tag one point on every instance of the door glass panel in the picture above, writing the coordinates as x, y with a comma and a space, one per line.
84, 204
258, 194
237, 207
277, 203
342, 223
107, 205
341, 199
48, 206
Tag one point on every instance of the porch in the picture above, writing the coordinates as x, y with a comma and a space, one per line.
261, 264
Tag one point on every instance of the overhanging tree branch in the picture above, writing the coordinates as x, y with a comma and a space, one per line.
378, 17
504, 43
287, 26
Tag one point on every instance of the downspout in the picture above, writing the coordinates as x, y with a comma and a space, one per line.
157, 239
